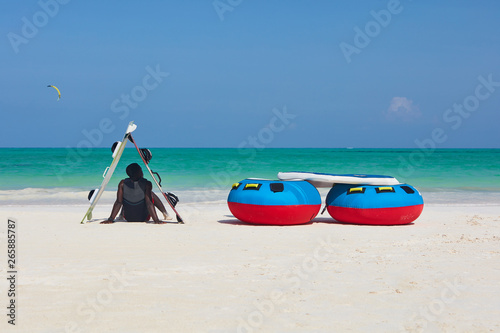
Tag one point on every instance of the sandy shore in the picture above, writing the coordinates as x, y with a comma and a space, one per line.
215, 274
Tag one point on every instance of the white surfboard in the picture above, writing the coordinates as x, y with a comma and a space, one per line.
117, 153
328, 180
146, 163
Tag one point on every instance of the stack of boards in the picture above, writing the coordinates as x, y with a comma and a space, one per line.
294, 199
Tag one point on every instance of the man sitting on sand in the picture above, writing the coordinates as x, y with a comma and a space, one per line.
137, 198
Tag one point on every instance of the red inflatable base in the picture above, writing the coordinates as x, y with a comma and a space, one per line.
274, 215
376, 216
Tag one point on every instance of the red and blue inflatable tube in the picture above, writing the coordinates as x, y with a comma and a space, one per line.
377, 205
274, 202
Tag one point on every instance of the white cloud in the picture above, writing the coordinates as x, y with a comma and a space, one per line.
402, 108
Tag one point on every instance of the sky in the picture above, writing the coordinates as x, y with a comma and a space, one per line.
251, 74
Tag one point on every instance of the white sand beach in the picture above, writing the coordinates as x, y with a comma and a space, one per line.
216, 274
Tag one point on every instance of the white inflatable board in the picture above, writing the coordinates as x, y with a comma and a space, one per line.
328, 180
117, 153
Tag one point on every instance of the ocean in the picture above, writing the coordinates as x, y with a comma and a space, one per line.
59, 176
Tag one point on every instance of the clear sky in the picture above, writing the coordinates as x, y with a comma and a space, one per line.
251, 73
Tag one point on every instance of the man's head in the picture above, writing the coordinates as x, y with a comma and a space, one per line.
134, 171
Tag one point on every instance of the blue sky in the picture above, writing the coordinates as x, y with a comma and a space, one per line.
240, 73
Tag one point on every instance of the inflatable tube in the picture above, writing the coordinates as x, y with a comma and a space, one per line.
274, 202
328, 180
378, 205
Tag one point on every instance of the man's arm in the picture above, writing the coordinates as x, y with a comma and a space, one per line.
117, 205
149, 203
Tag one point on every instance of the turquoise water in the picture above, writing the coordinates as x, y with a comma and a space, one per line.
468, 175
